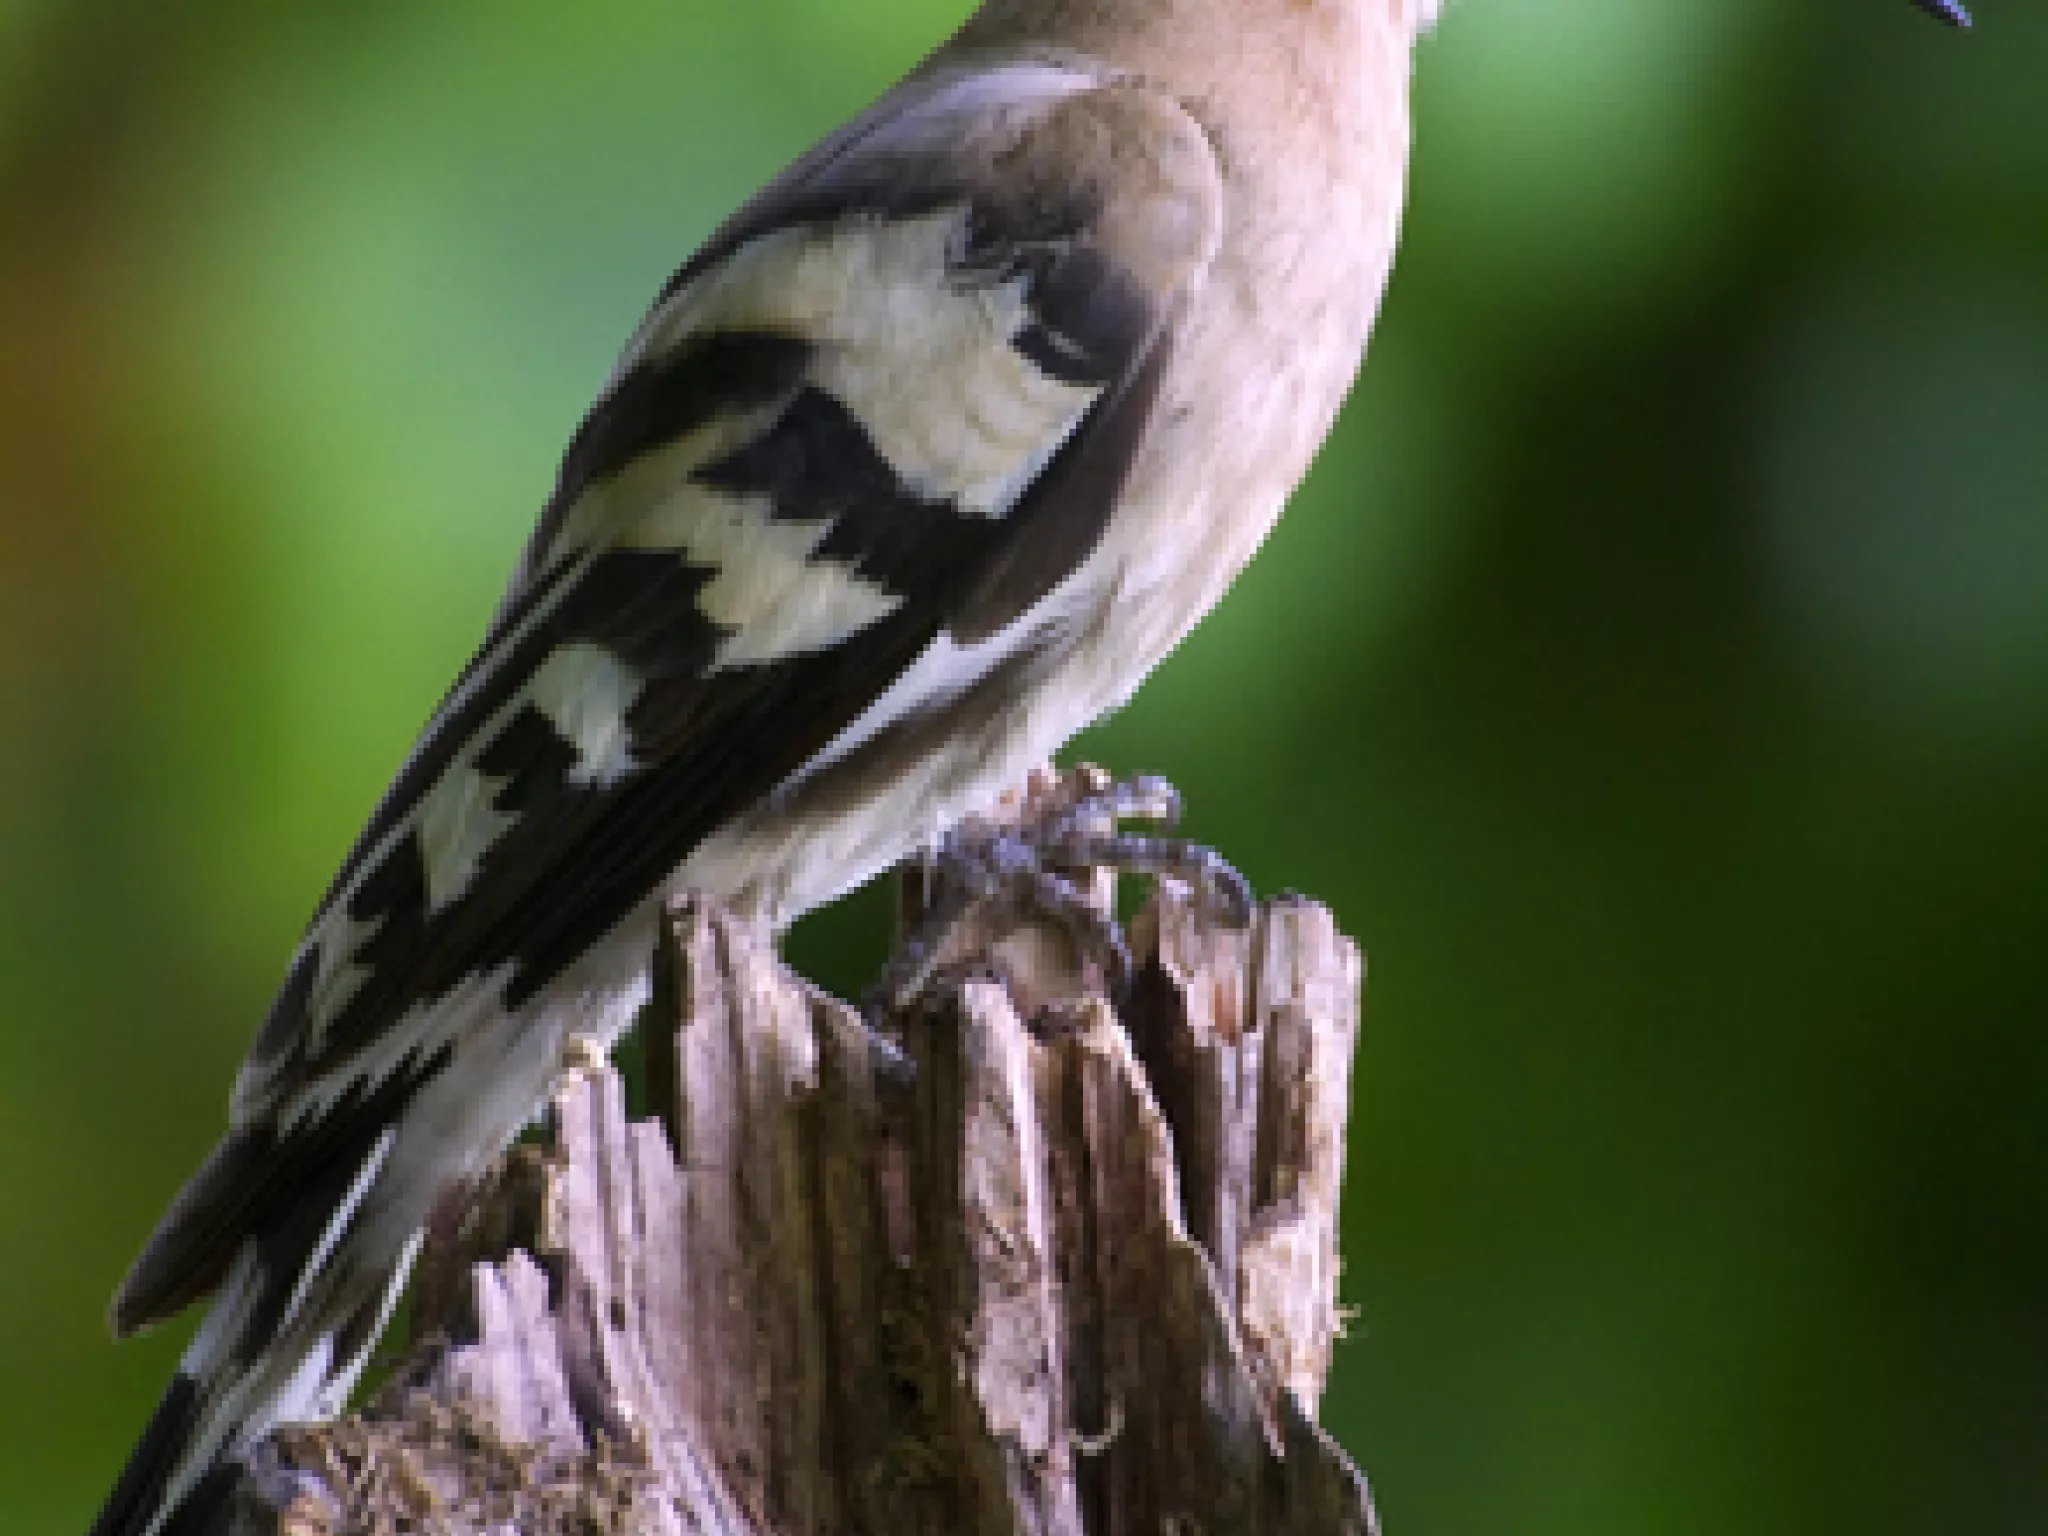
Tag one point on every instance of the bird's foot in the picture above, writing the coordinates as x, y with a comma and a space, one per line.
990, 876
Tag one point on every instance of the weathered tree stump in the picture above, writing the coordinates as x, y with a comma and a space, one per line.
1078, 1278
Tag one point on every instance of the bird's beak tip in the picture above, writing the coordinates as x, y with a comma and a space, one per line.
1949, 11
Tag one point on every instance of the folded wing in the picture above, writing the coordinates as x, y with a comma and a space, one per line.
891, 405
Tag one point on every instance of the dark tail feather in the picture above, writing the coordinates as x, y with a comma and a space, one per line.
294, 1315
199, 1236
137, 1504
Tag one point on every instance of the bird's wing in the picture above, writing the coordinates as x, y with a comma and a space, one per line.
891, 404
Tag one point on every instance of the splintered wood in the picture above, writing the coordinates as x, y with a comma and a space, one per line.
1072, 1278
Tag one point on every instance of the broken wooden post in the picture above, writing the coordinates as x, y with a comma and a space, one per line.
1072, 1281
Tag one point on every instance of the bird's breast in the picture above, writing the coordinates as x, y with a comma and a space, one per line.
1261, 363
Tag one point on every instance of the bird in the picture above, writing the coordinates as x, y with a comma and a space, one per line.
935, 448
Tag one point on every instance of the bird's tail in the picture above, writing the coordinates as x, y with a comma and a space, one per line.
166, 1489
295, 1313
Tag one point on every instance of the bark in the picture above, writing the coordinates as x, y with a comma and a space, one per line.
1075, 1274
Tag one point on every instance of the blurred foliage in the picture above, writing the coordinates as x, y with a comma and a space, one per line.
1654, 676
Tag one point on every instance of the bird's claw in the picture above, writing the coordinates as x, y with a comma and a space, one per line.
1035, 868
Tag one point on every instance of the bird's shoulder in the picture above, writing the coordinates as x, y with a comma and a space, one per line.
1090, 193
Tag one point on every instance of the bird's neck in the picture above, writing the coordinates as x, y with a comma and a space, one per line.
1338, 66
1399, 21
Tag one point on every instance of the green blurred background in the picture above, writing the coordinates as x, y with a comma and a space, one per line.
1654, 676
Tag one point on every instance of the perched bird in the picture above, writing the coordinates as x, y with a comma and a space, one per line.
921, 464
